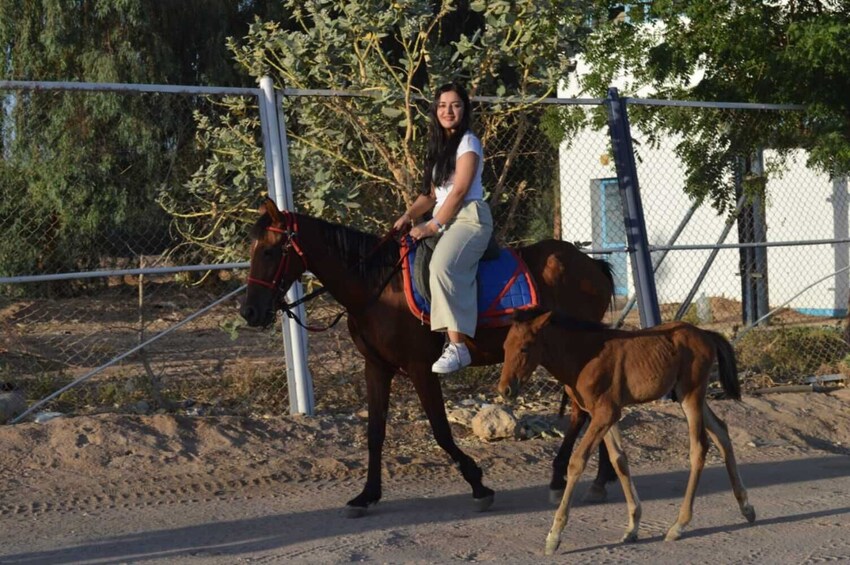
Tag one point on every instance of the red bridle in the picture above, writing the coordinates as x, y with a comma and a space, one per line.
287, 242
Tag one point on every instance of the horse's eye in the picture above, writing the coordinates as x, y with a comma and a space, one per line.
523, 350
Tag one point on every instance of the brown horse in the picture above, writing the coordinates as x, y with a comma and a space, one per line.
604, 370
360, 271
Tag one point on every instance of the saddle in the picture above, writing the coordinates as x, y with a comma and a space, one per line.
504, 282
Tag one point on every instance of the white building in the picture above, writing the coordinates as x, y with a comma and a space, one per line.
802, 205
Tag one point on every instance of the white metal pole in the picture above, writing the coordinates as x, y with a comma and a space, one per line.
280, 190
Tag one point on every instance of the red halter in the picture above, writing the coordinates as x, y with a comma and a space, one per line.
289, 241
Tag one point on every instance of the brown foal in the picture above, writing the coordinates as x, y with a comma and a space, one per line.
604, 370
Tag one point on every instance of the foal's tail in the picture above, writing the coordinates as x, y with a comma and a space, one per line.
726, 364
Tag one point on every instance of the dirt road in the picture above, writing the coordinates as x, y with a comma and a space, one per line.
160, 489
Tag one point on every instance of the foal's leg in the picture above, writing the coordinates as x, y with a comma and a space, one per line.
720, 436
605, 472
614, 443
692, 405
430, 393
559, 464
596, 429
378, 381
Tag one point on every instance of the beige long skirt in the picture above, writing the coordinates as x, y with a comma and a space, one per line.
454, 266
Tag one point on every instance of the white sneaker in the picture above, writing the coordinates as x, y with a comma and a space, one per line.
455, 357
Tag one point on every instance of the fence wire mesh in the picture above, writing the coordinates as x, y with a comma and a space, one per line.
87, 179
76, 199
790, 274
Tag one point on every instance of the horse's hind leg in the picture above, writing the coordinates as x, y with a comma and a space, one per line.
578, 461
719, 434
692, 404
378, 381
614, 443
430, 393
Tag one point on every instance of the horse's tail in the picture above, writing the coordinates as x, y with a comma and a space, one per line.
607, 270
726, 364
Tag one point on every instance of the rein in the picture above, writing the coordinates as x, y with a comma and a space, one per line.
290, 231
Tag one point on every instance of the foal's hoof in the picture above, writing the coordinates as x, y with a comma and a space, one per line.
483, 503
629, 537
552, 544
555, 496
356, 511
749, 513
674, 533
595, 494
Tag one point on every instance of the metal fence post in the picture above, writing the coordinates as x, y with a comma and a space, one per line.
624, 160
276, 149
754, 274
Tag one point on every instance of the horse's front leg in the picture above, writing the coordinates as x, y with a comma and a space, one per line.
559, 464
427, 386
596, 429
605, 472
378, 382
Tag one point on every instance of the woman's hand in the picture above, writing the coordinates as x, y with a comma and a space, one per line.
423, 230
402, 223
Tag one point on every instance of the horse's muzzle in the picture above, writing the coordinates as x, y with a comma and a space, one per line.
255, 317
510, 390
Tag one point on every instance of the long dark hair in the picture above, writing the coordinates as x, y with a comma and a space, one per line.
442, 147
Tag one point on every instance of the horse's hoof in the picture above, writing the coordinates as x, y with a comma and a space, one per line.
555, 496
552, 545
595, 494
749, 513
629, 537
483, 503
674, 533
355, 511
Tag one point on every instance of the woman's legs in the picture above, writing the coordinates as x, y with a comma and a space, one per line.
454, 289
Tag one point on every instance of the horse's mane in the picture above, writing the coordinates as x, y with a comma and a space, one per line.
367, 255
358, 250
371, 258
560, 319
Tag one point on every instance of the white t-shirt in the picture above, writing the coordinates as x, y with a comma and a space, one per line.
469, 142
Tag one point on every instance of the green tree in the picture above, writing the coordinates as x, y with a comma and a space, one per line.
358, 158
795, 52
82, 170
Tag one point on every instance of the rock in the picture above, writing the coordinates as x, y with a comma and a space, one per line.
12, 403
494, 422
462, 416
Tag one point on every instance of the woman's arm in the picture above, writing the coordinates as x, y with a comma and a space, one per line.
465, 169
421, 205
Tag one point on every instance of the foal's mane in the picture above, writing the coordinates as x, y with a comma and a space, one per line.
360, 251
560, 320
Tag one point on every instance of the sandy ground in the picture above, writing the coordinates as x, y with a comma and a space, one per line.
181, 489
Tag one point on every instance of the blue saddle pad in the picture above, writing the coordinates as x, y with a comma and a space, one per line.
504, 286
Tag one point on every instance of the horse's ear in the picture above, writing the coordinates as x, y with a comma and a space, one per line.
270, 208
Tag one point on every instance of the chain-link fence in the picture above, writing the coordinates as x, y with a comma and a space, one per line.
763, 258
94, 267
77, 200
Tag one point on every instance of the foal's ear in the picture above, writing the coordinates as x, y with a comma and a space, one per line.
541, 320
